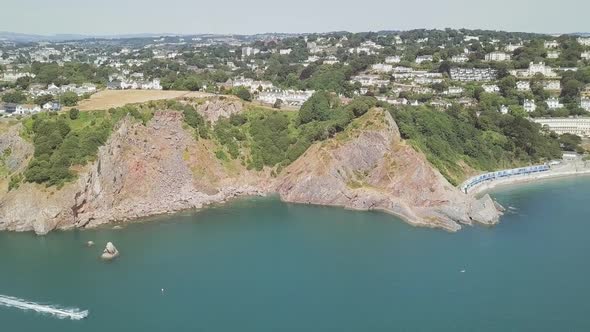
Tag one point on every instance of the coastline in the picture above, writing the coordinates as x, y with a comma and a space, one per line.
569, 169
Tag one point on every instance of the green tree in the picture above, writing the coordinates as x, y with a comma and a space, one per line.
243, 93
43, 99
316, 108
17, 97
69, 98
74, 113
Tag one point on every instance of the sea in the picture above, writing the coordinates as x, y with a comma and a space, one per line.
262, 265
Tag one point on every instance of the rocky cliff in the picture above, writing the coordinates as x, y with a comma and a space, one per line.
369, 167
160, 168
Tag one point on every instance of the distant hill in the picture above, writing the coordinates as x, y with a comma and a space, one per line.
23, 37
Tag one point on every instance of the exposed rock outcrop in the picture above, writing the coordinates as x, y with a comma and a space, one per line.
369, 167
15, 150
110, 252
215, 108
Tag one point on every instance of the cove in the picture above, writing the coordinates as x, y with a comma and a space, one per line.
263, 265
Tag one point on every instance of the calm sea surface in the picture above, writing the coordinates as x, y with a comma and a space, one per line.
261, 265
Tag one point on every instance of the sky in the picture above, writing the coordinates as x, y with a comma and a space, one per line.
111, 17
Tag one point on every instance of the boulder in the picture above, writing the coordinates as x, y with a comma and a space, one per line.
110, 252
90, 243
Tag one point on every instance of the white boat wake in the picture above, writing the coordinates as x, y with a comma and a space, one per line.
13, 302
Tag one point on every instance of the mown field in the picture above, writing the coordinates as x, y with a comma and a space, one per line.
116, 98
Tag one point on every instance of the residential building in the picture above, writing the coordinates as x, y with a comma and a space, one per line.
490, 88
585, 55
393, 59
504, 109
551, 44
249, 51
285, 51
381, 68
584, 41
288, 97
473, 74
52, 106
529, 105
497, 56
585, 104
553, 103
454, 90
534, 68
369, 80
576, 126
512, 47
552, 85
461, 58
331, 60
422, 58
359, 50
553, 54
251, 84
523, 85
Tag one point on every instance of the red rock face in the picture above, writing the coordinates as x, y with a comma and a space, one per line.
375, 170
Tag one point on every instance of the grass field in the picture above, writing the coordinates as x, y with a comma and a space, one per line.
106, 99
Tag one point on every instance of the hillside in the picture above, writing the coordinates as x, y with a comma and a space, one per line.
168, 156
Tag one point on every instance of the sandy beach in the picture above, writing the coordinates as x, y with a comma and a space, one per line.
565, 169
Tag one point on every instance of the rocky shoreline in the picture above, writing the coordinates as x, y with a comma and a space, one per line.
159, 168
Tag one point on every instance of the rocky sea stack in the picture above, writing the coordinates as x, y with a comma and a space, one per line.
110, 252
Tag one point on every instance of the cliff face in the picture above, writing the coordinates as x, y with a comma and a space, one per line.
161, 168
369, 167
141, 171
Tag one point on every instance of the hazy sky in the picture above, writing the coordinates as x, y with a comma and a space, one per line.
254, 16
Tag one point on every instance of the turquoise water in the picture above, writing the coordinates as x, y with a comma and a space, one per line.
261, 265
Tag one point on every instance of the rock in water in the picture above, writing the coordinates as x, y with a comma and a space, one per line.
90, 244
110, 252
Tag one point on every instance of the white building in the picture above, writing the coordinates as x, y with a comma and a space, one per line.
576, 126
584, 41
473, 74
288, 97
529, 105
454, 90
497, 56
535, 68
285, 51
540, 68
553, 103
13, 76
331, 60
490, 88
461, 58
359, 50
585, 104
251, 84
504, 109
382, 68
552, 85
523, 85
553, 54
585, 55
422, 58
551, 44
512, 47
249, 51
393, 59
369, 80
